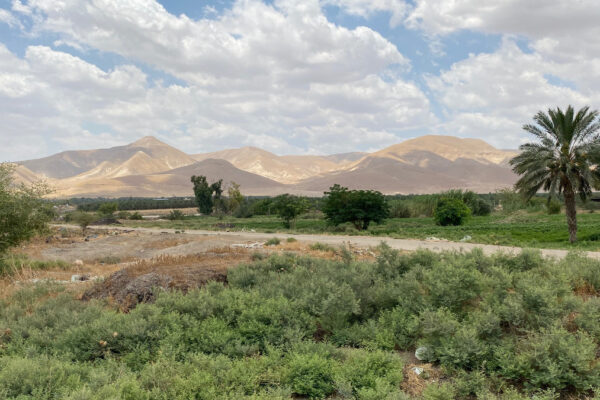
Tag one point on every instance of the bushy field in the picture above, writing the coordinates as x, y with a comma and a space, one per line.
523, 229
500, 327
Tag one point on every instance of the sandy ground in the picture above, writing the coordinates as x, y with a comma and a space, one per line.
337, 240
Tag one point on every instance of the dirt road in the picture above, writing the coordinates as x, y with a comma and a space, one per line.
359, 241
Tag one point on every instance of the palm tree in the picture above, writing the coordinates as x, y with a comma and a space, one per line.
563, 160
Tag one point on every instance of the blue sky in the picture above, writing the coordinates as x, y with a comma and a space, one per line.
290, 76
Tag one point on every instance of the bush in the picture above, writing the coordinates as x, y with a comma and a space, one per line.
108, 209
553, 207
136, 216
273, 242
176, 215
23, 212
83, 219
451, 212
310, 375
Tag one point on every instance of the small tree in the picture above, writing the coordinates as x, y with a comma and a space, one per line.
207, 196
360, 207
83, 219
451, 211
236, 199
108, 209
288, 207
23, 212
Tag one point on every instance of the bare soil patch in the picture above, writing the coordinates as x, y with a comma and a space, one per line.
139, 281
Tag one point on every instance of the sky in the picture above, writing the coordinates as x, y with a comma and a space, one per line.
289, 76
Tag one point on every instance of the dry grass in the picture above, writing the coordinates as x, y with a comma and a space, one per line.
414, 384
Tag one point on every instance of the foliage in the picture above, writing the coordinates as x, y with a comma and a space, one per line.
176, 215
451, 211
290, 326
207, 196
235, 197
360, 207
83, 219
563, 160
399, 209
273, 242
23, 212
124, 215
134, 203
108, 209
136, 216
289, 207
553, 207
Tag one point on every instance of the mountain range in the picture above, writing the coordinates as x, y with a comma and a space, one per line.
149, 167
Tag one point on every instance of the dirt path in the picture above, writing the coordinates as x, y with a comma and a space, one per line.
360, 241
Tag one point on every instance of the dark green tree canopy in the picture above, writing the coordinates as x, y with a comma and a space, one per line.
207, 195
360, 207
563, 159
289, 207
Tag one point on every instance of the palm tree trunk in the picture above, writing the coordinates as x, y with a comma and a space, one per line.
571, 213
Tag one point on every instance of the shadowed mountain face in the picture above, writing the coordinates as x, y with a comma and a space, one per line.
149, 167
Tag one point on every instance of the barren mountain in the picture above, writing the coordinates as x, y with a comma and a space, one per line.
149, 167
448, 147
71, 163
416, 171
284, 169
175, 182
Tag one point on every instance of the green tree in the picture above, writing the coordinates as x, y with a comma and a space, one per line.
288, 207
108, 209
451, 211
23, 212
562, 160
83, 219
360, 207
236, 199
207, 196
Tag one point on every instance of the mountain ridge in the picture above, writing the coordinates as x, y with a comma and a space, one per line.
150, 167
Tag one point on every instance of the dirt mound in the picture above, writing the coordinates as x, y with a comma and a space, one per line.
140, 281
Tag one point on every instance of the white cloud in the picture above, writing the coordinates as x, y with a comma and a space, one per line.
492, 95
280, 76
8, 18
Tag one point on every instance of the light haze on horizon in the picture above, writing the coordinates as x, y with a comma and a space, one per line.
288, 76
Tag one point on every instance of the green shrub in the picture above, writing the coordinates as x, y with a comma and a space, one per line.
291, 240
136, 216
451, 212
175, 215
553, 358
553, 207
273, 242
439, 391
108, 209
310, 375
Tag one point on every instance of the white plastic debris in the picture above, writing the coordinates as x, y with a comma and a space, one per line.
466, 238
417, 370
255, 245
421, 353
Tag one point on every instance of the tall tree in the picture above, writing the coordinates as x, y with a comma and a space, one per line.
203, 193
563, 160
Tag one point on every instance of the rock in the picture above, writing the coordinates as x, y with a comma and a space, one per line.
466, 238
